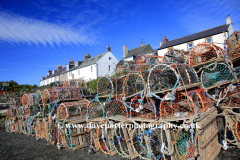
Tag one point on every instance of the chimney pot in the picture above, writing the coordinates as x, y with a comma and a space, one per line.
142, 43
125, 51
108, 48
165, 39
87, 56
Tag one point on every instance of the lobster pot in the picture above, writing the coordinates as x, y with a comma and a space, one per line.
45, 128
142, 63
174, 55
28, 99
11, 112
83, 104
36, 110
133, 84
213, 75
105, 87
68, 110
52, 131
38, 129
164, 77
229, 96
38, 96
64, 93
13, 103
118, 85
208, 144
232, 45
85, 92
60, 135
185, 144
143, 108
95, 110
66, 83
19, 102
26, 112
201, 99
79, 83
117, 110
45, 96
122, 68
204, 52
183, 106
20, 111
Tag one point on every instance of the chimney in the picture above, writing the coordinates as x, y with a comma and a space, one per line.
165, 39
71, 62
87, 56
228, 20
59, 67
160, 43
142, 43
125, 51
108, 48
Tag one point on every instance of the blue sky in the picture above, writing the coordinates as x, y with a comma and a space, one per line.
38, 35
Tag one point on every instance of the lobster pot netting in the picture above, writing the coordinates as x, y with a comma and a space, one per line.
164, 77
142, 63
122, 68
11, 112
64, 93
143, 108
105, 86
229, 96
204, 52
237, 128
12, 103
182, 106
83, 104
216, 74
20, 111
68, 110
185, 144
118, 85
102, 136
35, 110
45, 96
79, 83
38, 96
28, 99
89, 135
158, 138
116, 109
95, 110
201, 99
26, 112
232, 45
66, 83
85, 91
19, 102
174, 55
133, 84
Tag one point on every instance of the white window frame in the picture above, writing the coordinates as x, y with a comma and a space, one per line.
189, 47
209, 38
109, 68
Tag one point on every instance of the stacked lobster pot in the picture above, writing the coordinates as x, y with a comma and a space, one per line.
179, 106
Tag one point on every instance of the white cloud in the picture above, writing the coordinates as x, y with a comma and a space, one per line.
18, 29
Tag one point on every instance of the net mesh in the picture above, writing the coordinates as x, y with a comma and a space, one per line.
38, 96
12, 103
123, 68
64, 93
143, 108
174, 55
204, 52
116, 109
216, 74
232, 45
36, 109
45, 96
142, 63
105, 86
133, 84
230, 95
68, 110
28, 99
11, 112
182, 106
19, 102
95, 110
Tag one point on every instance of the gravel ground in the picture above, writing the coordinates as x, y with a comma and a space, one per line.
20, 146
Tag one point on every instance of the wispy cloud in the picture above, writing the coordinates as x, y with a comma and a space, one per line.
19, 29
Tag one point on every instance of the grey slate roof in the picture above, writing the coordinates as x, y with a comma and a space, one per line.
91, 61
192, 37
57, 73
139, 50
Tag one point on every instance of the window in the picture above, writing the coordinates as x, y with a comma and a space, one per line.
92, 59
208, 39
109, 67
110, 58
190, 46
91, 68
100, 56
78, 72
171, 51
67, 67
